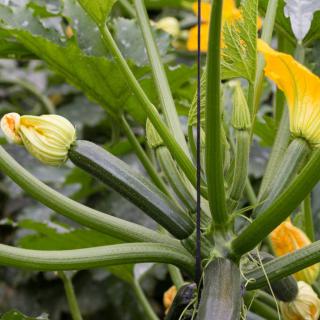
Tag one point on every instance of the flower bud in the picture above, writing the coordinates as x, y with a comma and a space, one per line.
10, 126
168, 297
241, 119
306, 306
47, 137
153, 138
287, 238
169, 25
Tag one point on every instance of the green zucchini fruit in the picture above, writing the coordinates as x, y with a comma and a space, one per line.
131, 185
221, 295
285, 289
182, 299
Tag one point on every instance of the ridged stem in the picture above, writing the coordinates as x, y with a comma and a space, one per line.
213, 148
308, 218
292, 161
160, 78
78, 212
97, 257
174, 147
149, 314
176, 276
284, 266
147, 164
71, 296
280, 209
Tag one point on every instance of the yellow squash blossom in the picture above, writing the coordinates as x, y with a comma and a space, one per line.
230, 14
168, 298
47, 137
302, 90
306, 306
287, 238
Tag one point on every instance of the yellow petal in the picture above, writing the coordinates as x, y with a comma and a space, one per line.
205, 10
301, 88
287, 238
10, 124
192, 43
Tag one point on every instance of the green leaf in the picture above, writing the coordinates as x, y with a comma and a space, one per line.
16, 315
91, 74
98, 10
240, 40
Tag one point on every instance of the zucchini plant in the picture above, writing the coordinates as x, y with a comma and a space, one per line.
234, 250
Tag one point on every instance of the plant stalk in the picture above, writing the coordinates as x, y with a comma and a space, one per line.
144, 303
71, 296
175, 149
96, 257
84, 215
213, 148
176, 276
308, 218
159, 76
292, 161
280, 209
147, 164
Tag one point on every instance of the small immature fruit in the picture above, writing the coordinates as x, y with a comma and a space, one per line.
47, 137
182, 299
306, 306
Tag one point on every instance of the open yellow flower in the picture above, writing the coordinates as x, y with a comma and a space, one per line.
306, 306
230, 14
47, 137
302, 90
287, 238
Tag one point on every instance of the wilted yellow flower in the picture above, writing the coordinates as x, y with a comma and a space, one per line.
168, 297
169, 25
302, 90
230, 14
287, 238
306, 306
47, 137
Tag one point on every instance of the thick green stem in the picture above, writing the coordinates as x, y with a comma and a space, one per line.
46, 103
71, 296
126, 5
154, 175
86, 216
280, 209
267, 29
159, 76
308, 218
250, 192
175, 178
144, 303
175, 149
97, 257
214, 148
279, 147
293, 160
239, 180
260, 308
176, 276
284, 266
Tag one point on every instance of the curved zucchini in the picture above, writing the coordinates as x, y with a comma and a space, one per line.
182, 299
133, 186
221, 295
285, 289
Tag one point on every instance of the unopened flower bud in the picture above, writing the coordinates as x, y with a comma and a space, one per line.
241, 119
306, 306
169, 25
47, 137
287, 238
